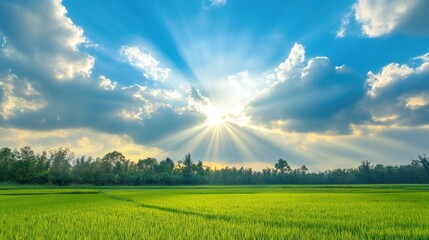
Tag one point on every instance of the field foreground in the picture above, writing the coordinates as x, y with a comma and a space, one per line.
216, 212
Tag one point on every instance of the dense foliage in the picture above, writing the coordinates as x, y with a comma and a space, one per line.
60, 167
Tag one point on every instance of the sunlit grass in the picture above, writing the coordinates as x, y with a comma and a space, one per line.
310, 212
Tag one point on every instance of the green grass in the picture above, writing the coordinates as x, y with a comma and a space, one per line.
216, 212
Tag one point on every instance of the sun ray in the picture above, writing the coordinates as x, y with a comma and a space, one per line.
248, 149
181, 137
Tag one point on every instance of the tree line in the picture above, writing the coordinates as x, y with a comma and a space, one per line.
61, 167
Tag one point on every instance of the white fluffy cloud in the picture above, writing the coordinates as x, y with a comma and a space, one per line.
106, 83
417, 101
243, 87
399, 94
38, 33
148, 100
388, 75
310, 96
145, 62
381, 17
293, 61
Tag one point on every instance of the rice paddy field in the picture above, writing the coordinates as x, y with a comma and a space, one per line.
216, 212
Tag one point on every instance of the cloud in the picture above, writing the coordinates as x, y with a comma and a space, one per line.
399, 94
81, 141
106, 83
386, 145
417, 101
320, 97
345, 21
146, 115
196, 100
424, 58
18, 96
147, 100
293, 61
382, 17
43, 46
317, 97
388, 75
39, 33
145, 62
218, 2
3, 40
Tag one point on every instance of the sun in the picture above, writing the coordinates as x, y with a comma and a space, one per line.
215, 116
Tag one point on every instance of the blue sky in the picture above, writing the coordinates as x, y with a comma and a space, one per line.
326, 84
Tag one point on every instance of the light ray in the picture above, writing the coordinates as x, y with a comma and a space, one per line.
213, 146
247, 141
181, 137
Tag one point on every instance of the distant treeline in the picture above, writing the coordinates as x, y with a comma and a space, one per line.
60, 167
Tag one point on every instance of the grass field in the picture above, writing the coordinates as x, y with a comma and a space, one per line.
261, 212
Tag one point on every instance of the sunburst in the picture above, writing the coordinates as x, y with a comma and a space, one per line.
215, 116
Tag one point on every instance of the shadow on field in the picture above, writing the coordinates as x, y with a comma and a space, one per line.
122, 199
219, 217
188, 213
170, 210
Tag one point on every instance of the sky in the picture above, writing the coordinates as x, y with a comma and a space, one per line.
327, 84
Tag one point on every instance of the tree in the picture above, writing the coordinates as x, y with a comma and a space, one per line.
117, 160
82, 170
200, 168
187, 161
42, 165
7, 159
24, 168
147, 165
424, 162
114, 157
166, 166
303, 169
365, 171
114, 168
61, 165
282, 166
164, 171
187, 168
